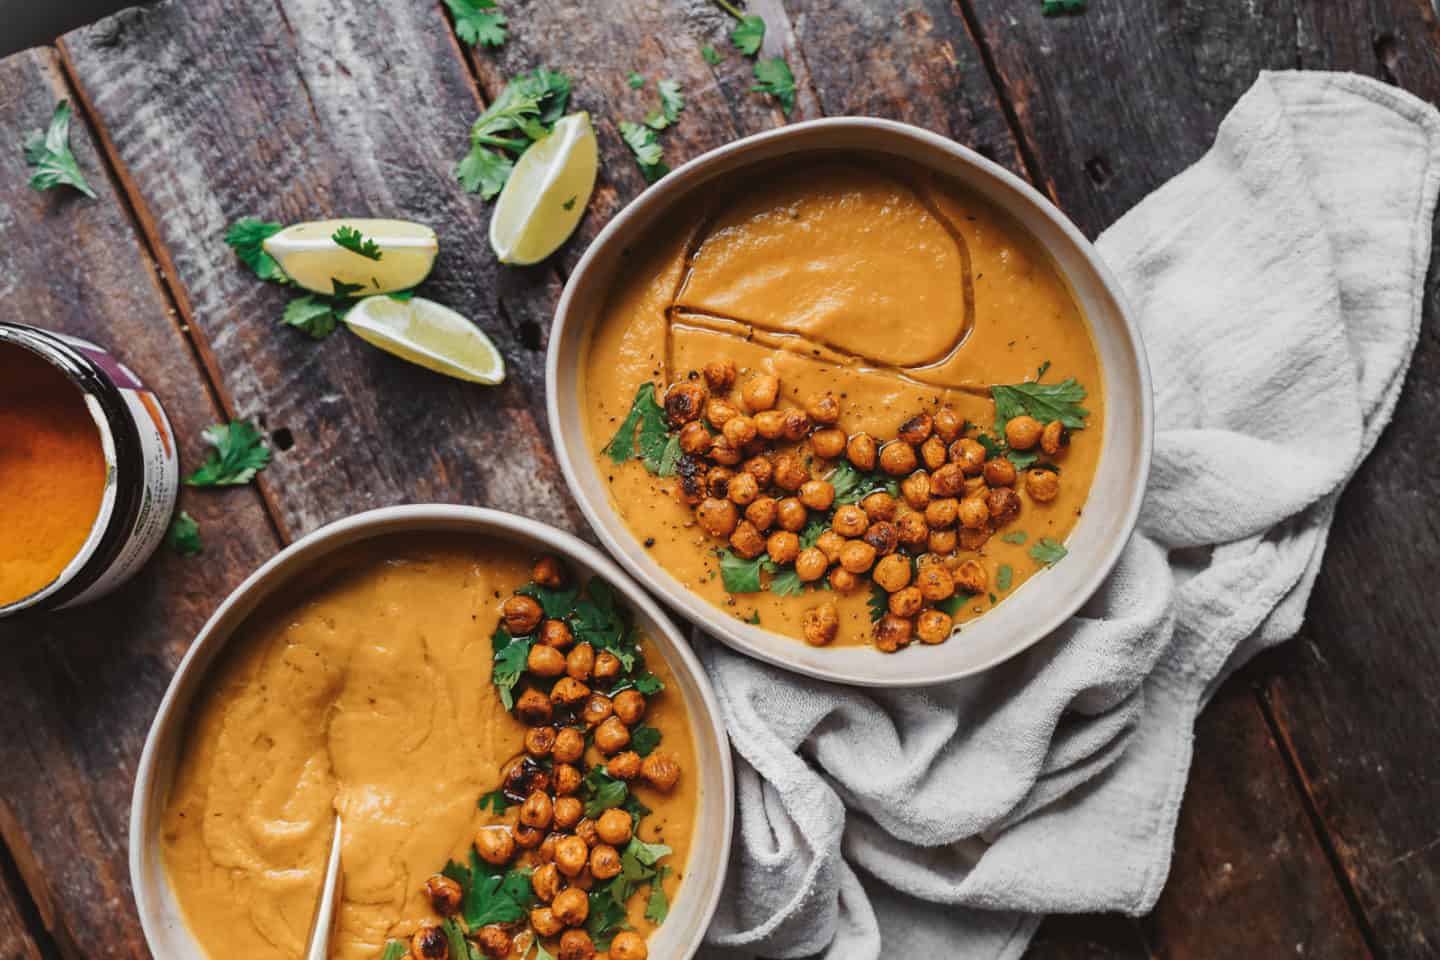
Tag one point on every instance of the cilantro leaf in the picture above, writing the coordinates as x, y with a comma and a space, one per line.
354, 241
953, 603
879, 602
748, 34
49, 153
495, 895
852, 486
649, 684
557, 602
711, 55
456, 936
1056, 8
670, 459
647, 853
643, 427
1048, 551
1043, 401
478, 23
240, 452
602, 792
184, 535
524, 112
1015, 536
396, 950
483, 171
511, 657
773, 76
245, 237
495, 801
739, 575
784, 581
753, 618
646, 147
812, 532
311, 313
657, 908
636, 80
607, 913
644, 739
672, 101
1004, 577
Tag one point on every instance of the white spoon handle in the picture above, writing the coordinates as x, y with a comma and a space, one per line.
324, 925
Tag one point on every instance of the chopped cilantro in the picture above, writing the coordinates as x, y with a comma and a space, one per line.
711, 55
478, 23
1015, 536
1043, 401
494, 895
812, 533
524, 112
739, 575
49, 153
647, 854
557, 602
607, 912
396, 950
402, 296
184, 535
649, 684
511, 656
773, 76
784, 581
1039, 373
602, 792
246, 237
879, 602
954, 603
672, 101
1056, 8
646, 147
240, 452
670, 458
748, 35
313, 314
852, 486
644, 429
1048, 551
753, 618
644, 739
657, 908
635, 80
1004, 577
495, 801
570, 204
354, 241
456, 936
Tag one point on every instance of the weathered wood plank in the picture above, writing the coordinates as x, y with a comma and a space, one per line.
17, 940
298, 111
82, 685
1088, 937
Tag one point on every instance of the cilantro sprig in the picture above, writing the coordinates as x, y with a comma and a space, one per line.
643, 435
672, 101
315, 314
184, 535
525, 111
1047, 551
773, 76
478, 22
645, 145
239, 453
246, 237
353, 240
1058, 8
48, 152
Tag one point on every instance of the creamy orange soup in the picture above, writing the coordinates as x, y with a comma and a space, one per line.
883, 284
368, 692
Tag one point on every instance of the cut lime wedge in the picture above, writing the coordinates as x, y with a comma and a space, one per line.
426, 333
546, 194
400, 254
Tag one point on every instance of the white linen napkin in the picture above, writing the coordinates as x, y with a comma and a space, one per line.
1278, 285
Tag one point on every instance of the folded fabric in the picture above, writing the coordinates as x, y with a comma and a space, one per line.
1278, 286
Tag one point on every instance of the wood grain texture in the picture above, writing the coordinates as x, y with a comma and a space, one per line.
305, 110
82, 685
1088, 937
18, 925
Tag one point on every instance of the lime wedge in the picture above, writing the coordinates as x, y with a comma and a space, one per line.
309, 255
425, 333
546, 194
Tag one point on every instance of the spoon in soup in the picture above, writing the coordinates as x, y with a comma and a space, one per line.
325, 910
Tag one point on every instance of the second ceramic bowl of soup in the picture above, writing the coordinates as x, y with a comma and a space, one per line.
893, 284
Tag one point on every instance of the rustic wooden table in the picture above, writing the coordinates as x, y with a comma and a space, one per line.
1309, 827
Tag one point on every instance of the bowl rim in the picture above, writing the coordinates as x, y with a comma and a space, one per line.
218, 630
677, 184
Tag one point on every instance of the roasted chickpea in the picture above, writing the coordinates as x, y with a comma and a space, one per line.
629, 706
661, 770
975, 486
629, 945
614, 827
607, 665
571, 906
948, 423
444, 894
906, 602
948, 481
568, 812
717, 517
941, 541
568, 691
624, 766
828, 444
820, 624
495, 845
933, 453
935, 582
892, 573
604, 861
797, 424
761, 469
533, 708
556, 633
783, 546
746, 540
760, 392
1000, 472
941, 513
576, 945
770, 424
612, 736
565, 778
933, 626
739, 430
546, 878
569, 745
817, 494
724, 452
843, 581
861, 451
585, 830
539, 741
892, 633
1003, 504
544, 922
857, 557
537, 811
898, 458
823, 408
790, 472
744, 488
791, 514
545, 661
830, 543
973, 513
1023, 432
685, 401
597, 710
810, 564
720, 375
917, 429
975, 539
522, 614
717, 482
580, 662
880, 506
571, 856
883, 537
971, 577
430, 943
494, 942
916, 489
761, 513
849, 521
695, 439
1042, 485
968, 455
1054, 438
548, 571
911, 529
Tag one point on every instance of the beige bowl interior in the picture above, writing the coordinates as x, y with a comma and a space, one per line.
1046, 600
680, 935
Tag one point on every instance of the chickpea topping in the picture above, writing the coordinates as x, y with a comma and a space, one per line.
629, 945
695, 439
948, 481
883, 537
823, 408
718, 410
580, 662
717, 482
614, 827
494, 942
933, 453
661, 770
717, 517
971, 577
820, 624
1054, 437
597, 710
948, 423
968, 455
604, 862
1000, 472
1022, 432
630, 706
770, 424
685, 401
857, 557
817, 494
941, 541
744, 488
548, 571
569, 746
1003, 504
797, 424
828, 444
790, 472
917, 429
546, 853
849, 521
933, 626
565, 779
569, 691
522, 614
861, 450
544, 922
916, 489
973, 513
546, 879
430, 943
911, 529
843, 581
942, 513
935, 582
760, 392
612, 736
892, 573
1042, 485
571, 906
898, 459
720, 375
576, 945
539, 741
724, 452
746, 540
810, 564
892, 633
533, 708
830, 543
975, 539
624, 766
761, 512
791, 514
761, 469
556, 633
571, 856
545, 661
783, 546
444, 894
568, 812
739, 430
607, 665
880, 506
537, 811
495, 845
906, 602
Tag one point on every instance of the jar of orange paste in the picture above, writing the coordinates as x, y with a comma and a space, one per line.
88, 471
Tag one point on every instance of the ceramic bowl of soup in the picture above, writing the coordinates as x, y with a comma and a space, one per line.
855, 400
501, 719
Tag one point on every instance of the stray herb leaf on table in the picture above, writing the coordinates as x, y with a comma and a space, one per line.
748, 35
646, 147
184, 535
773, 76
48, 152
1056, 8
245, 237
711, 55
524, 112
672, 101
478, 22
239, 453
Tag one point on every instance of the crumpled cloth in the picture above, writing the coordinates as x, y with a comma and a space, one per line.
1278, 286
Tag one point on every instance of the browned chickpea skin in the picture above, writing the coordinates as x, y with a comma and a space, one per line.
568, 691
746, 541
629, 945
568, 812
933, 453
760, 392
537, 811
882, 537
661, 770
770, 424
612, 736
783, 546
444, 894
539, 741
817, 494
717, 482
1054, 438
830, 543
892, 573
761, 513
849, 521
533, 708
614, 827
569, 745
906, 602
880, 506
892, 633
861, 451
722, 451
522, 614
791, 514
898, 458
607, 665
571, 855
566, 779
975, 539
828, 444
948, 423
544, 922
546, 879
695, 439
685, 401
948, 481
744, 488
973, 513
1003, 504
941, 513
1000, 472
843, 581
823, 408
576, 945
971, 577
624, 766
527, 838
548, 571
1023, 432
1042, 485
811, 564
916, 489
911, 529
797, 424
597, 710
739, 430
571, 906
720, 375
604, 862
494, 942
580, 661
917, 429
690, 479
790, 472
719, 410
933, 626
857, 557
495, 845
629, 706
556, 633
545, 661
761, 469
974, 486
968, 455
430, 943
942, 541
935, 582
820, 624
